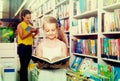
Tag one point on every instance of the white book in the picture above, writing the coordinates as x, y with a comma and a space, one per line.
55, 60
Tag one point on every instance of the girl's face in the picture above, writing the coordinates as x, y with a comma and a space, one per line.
50, 30
27, 18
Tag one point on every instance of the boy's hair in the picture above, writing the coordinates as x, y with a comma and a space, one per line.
24, 13
61, 35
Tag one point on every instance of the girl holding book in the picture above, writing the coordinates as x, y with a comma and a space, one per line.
52, 46
25, 41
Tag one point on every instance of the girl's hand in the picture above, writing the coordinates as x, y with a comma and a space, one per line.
33, 30
41, 65
63, 66
56, 66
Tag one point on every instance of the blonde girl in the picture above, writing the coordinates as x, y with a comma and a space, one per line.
54, 45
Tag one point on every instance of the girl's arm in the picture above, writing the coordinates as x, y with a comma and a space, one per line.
39, 54
39, 50
64, 49
64, 53
20, 32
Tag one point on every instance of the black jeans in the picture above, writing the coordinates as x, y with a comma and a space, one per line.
25, 52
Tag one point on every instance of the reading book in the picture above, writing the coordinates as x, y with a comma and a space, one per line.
28, 28
55, 60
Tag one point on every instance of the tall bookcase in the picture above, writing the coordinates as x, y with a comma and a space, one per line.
99, 21
90, 21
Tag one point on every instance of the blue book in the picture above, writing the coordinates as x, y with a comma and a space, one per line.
116, 71
82, 5
28, 28
79, 46
76, 63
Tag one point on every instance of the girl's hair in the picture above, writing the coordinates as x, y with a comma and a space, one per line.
24, 13
61, 35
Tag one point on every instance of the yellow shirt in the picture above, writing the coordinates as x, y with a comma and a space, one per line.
29, 39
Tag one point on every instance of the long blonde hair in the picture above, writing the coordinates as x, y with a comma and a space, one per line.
61, 35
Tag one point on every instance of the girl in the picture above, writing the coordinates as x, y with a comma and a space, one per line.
54, 45
25, 41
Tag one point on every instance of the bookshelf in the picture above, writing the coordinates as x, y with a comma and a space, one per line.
100, 33
86, 23
111, 34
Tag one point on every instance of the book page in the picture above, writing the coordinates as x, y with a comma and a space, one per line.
59, 58
45, 59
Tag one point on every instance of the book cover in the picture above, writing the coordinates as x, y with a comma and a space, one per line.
79, 46
116, 71
28, 28
55, 60
76, 63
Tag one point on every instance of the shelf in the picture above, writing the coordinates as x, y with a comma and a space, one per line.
62, 2
49, 11
67, 32
89, 34
112, 60
64, 18
40, 37
95, 57
112, 7
108, 33
40, 16
86, 14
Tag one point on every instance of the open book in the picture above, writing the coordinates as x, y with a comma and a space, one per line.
55, 60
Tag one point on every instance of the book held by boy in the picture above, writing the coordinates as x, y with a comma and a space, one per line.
55, 60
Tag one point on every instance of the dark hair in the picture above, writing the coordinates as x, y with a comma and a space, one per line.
24, 13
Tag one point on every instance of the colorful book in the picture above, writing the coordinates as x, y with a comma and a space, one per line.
76, 63
79, 46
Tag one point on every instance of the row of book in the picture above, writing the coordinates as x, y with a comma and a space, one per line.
80, 6
49, 7
84, 26
110, 48
85, 65
63, 10
94, 71
109, 2
65, 24
111, 21
85, 46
